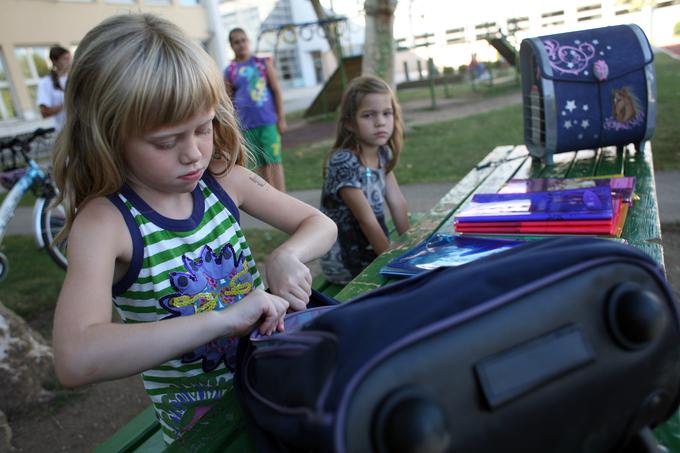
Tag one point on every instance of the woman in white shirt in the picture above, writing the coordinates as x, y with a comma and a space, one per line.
51, 87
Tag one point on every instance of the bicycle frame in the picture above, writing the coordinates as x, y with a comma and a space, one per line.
33, 173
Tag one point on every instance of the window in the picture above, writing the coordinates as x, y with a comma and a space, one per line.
287, 65
552, 18
34, 62
424, 40
6, 105
518, 24
401, 44
455, 35
484, 30
589, 12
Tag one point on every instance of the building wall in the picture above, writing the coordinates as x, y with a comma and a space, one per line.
43, 23
452, 41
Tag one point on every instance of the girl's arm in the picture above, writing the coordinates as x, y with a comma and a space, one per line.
311, 232
356, 201
273, 82
396, 202
89, 347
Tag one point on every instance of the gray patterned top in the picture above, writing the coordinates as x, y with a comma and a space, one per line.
352, 252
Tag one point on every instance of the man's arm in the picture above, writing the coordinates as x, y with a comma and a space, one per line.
273, 81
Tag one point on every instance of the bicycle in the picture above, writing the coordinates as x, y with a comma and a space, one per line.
20, 173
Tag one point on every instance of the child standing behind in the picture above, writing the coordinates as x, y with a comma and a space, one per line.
255, 91
149, 166
359, 178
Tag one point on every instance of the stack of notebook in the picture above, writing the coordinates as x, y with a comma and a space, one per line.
550, 206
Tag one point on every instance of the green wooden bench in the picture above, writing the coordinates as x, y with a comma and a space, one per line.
223, 428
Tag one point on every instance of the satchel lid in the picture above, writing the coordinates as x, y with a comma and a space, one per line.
594, 55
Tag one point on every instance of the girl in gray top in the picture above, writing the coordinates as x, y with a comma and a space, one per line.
359, 178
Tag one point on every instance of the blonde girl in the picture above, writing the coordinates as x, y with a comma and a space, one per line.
149, 165
359, 178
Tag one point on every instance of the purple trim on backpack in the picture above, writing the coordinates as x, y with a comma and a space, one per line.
222, 195
167, 223
137, 247
295, 347
466, 315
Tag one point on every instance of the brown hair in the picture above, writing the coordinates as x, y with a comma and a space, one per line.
55, 53
132, 74
351, 100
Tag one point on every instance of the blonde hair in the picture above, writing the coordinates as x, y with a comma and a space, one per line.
132, 74
347, 122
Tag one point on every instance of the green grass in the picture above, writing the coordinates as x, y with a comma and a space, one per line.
33, 279
459, 89
443, 151
666, 140
27, 200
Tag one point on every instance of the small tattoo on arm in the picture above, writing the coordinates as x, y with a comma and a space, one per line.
257, 180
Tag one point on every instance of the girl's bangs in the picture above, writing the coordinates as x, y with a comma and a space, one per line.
175, 92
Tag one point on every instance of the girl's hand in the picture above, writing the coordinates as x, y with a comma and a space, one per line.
256, 307
289, 278
281, 125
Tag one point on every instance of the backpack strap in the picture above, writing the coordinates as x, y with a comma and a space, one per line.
231, 72
262, 67
260, 63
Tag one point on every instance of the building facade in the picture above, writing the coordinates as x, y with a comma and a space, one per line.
28, 28
433, 29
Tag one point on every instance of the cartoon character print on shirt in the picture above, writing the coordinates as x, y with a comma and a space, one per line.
257, 85
213, 281
182, 408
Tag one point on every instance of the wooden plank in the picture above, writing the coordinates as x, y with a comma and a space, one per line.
584, 164
610, 162
133, 434
643, 223
563, 163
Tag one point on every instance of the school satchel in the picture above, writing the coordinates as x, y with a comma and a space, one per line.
587, 89
561, 345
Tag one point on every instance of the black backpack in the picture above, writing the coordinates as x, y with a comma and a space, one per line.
560, 345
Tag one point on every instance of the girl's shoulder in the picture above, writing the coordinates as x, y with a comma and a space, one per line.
99, 217
343, 156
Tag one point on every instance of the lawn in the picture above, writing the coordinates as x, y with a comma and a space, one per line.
442, 151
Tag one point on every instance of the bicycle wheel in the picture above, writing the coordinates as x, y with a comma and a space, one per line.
52, 220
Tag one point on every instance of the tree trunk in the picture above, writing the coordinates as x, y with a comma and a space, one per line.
25, 363
379, 43
330, 30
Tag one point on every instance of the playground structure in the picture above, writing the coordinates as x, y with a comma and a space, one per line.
328, 98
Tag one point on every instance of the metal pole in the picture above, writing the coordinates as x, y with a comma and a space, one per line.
430, 67
218, 36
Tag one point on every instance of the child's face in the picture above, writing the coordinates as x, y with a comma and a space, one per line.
171, 159
63, 63
240, 44
375, 120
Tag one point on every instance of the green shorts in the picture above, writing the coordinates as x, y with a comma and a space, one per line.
264, 142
